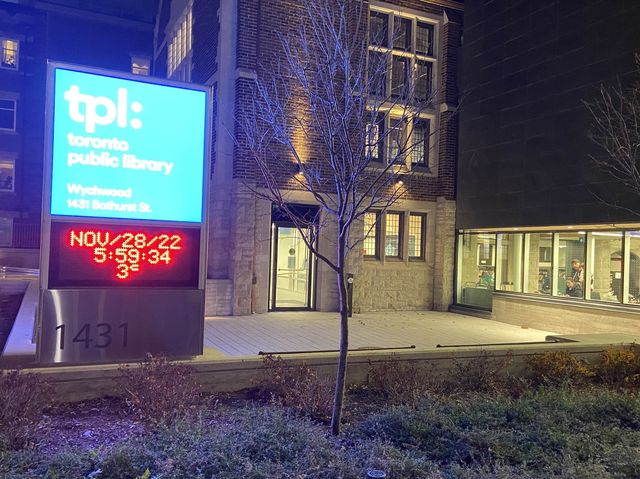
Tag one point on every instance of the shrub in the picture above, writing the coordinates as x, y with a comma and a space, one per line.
480, 374
619, 367
559, 368
402, 382
23, 399
297, 386
159, 391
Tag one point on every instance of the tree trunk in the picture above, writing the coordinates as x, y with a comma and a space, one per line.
338, 398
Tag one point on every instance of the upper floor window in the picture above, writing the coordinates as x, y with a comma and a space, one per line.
180, 43
404, 46
419, 148
140, 65
7, 114
9, 53
400, 141
7, 175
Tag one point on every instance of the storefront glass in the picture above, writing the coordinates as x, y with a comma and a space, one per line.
476, 269
509, 264
571, 263
598, 265
633, 262
538, 253
605, 265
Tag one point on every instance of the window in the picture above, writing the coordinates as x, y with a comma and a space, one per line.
476, 269
393, 236
417, 235
422, 89
378, 33
7, 175
537, 263
402, 35
632, 261
420, 142
412, 50
7, 114
140, 65
509, 262
400, 76
605, 261
371, 234
375, 140
378, 73
179, 48
571, 265
424, 39
9, 53
395, 144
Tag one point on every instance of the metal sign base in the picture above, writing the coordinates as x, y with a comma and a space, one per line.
118, 325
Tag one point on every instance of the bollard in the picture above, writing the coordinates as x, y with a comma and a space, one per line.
350, 294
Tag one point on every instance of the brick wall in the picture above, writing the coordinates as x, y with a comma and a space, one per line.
259, 48
206, 27
564, 317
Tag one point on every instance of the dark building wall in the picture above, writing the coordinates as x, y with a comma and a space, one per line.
526, 68
51, 32
205, 40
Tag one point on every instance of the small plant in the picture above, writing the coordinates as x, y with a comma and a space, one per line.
402, 382
297, 386
559, 368
620, 366
479, 374
159, 391
23, 399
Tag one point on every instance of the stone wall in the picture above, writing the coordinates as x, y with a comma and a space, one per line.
394, 286
391, 284
217, 300
444, 260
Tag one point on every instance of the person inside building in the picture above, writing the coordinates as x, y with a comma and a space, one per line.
575, 279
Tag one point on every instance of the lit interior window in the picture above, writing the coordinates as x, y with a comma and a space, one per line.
9, 53
140, 65
7, 175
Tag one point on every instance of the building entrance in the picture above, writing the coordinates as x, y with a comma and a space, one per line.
291, 269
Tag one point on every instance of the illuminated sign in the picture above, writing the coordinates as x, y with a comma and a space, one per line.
127, 149
83, 255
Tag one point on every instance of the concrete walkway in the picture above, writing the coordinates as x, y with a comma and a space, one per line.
315, 331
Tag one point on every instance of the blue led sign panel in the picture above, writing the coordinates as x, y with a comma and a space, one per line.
127, 149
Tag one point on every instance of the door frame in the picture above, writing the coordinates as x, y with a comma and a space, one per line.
273, 272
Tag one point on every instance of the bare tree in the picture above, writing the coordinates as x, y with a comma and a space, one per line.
616, 130
332, 92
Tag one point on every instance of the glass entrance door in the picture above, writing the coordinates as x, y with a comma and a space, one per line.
291, 270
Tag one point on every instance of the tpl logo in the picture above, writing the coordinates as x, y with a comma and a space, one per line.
100, 110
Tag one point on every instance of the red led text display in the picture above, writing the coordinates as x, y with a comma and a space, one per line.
85, 255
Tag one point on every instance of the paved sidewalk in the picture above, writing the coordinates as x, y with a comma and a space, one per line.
315, 331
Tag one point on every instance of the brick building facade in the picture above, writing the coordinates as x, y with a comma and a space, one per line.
226, 44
